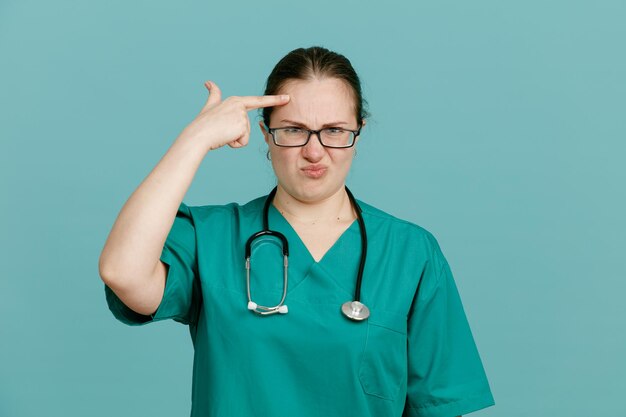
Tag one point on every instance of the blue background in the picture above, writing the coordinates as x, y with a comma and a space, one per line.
498, 126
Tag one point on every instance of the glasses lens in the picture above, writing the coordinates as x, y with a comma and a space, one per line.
336, 137
331, 137
290, 136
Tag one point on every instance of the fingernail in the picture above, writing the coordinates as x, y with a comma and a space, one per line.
284, 97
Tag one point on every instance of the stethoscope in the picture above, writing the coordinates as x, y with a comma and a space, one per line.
354, 310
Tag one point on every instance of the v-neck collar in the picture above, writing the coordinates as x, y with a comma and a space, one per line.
339, 263
293, 236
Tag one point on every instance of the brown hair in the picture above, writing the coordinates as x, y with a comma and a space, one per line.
314, 62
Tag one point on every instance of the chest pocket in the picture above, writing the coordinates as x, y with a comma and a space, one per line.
384, 365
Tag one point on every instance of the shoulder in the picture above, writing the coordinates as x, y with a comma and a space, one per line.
219, 212
380, 218
412, 237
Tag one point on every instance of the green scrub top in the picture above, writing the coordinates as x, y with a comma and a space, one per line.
414, 356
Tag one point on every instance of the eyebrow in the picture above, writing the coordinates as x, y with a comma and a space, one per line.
323, 126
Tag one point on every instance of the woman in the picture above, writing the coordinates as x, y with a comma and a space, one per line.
403, 349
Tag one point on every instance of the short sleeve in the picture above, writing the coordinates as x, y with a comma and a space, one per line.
446, 377
181, 298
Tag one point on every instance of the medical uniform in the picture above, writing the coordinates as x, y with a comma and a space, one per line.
414, 356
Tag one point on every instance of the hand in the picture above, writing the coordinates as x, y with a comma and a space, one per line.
226, 122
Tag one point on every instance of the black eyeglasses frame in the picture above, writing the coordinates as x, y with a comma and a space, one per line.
317, 133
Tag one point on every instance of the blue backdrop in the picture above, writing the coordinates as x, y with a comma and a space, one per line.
498, 126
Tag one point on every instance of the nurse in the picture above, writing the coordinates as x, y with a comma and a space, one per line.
413, 355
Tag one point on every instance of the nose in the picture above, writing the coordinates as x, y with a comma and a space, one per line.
313, 150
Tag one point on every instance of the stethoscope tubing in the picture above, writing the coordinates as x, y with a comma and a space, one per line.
264, 310
359, 216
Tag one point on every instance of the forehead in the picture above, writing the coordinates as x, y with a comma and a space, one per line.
315, 102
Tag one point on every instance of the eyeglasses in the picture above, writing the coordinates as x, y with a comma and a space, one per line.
330, 137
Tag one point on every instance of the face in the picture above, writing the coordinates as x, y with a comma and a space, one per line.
312, 172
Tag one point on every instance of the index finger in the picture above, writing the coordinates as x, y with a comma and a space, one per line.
255, 102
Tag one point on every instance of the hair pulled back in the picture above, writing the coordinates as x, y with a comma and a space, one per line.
311, 63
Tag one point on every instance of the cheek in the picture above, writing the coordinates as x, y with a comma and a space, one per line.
343, 158
281, 161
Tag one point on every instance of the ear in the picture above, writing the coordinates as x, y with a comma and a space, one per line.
264, 132
363, 123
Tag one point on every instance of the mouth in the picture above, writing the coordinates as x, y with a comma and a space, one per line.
314, 171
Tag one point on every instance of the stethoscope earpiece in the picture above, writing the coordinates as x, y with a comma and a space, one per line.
279, 308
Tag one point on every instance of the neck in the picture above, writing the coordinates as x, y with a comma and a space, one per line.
335, 208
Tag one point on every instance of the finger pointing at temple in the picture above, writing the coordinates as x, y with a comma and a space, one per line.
225, 121
255, 102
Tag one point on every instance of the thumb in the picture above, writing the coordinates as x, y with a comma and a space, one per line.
215, 94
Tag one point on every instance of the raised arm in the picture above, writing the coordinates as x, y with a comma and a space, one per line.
129, 263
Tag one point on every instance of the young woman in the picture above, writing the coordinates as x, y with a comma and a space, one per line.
335, 308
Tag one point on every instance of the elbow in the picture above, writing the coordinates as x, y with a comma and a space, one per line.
112, 276
123, 279
106, 272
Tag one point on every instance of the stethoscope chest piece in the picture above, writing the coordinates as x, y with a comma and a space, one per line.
355, 310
